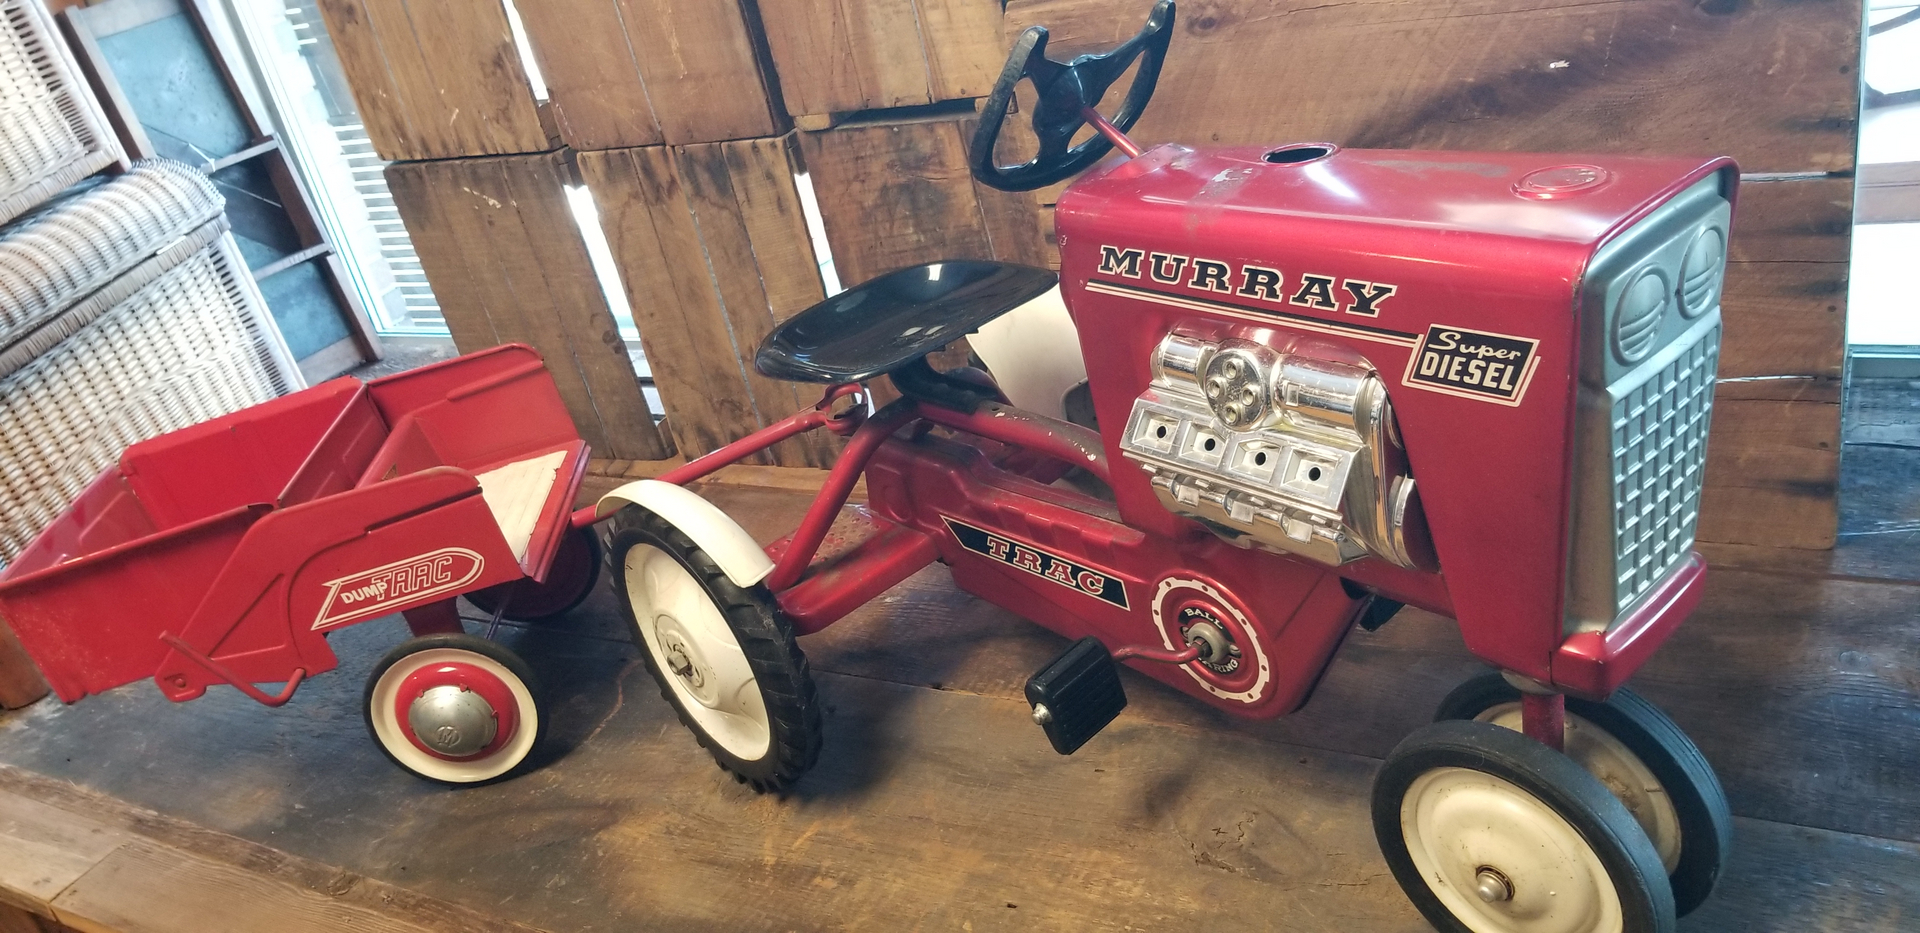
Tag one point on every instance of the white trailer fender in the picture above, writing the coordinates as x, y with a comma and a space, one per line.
743, 561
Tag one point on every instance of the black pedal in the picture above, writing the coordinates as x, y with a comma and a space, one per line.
1077, 695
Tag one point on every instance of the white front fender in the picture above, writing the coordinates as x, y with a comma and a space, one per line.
743, 561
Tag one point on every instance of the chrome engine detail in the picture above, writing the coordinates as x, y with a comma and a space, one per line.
1278, 447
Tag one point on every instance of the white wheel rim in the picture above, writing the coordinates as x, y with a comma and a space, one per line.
1629, 778
394, 736
692, 645
1458, 823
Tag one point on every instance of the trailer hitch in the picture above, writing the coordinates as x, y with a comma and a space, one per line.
179, 683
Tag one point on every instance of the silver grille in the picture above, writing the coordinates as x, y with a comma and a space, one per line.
1644, 403
1659, 455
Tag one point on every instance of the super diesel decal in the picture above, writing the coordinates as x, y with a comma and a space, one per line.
1316, 290
376, 591
1473, 364
1039, 562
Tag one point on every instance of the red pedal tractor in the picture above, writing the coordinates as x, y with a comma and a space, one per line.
1327, 383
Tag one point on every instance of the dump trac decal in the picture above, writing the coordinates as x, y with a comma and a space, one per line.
371, 592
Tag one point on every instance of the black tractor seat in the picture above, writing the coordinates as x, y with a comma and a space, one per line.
890, 322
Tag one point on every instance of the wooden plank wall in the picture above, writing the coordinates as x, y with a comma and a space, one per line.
713, 252
496, 238
624, 73
846, 55
895, 193
670, 112
435, 79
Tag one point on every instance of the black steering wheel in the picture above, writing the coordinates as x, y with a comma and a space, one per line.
1066, 91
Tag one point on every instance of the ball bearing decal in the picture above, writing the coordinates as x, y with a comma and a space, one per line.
1039, 562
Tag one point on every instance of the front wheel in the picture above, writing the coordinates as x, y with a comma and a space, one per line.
1489, 831
1644, 758
724, 655
457, 709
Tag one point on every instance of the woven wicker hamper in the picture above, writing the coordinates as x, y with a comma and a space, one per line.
125, 312
52, 132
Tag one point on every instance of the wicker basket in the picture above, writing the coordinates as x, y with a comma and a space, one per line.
147, 321
52, 133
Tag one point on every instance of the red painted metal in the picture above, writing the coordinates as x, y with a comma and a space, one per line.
1462, 242
435, 618
1462, 247
1024, 534
1111, 132
226, 552
1594, 664
219, 670
833, 494
506, 710
820, 415
1187, 655
836, 585
1543, 717
1059, 440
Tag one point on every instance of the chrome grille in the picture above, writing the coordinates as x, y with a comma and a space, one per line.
1644, 398
1659, 458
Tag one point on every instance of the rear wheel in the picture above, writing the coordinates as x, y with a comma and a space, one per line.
724, 655
1645, 760
457, 709
1488, 831
576, 568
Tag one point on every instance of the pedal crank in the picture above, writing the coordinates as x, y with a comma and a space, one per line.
1075, 697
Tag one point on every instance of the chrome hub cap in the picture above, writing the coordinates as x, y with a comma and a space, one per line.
453, 720
1493, 885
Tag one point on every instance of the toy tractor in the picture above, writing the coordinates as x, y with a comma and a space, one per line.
1327, 383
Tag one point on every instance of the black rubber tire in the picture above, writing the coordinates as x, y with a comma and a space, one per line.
493, 651
764, 636
566, 587
1706, 821
1551, 778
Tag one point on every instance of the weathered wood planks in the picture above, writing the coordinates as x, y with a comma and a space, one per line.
20, 682
713, 252
435, 79
1773, 462
623, 73
896, 193
499, 243
845, 55
1773, 83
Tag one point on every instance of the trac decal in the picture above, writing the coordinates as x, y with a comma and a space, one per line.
1315, 290
1039, 562
1473, 364
376, 591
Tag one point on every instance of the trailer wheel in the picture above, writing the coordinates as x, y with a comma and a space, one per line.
457, 709
1644, 758
1488, 831
724, 656
575, 571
